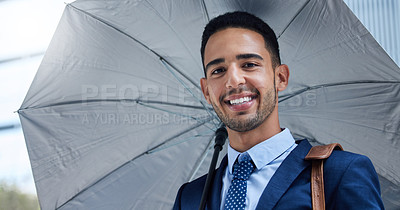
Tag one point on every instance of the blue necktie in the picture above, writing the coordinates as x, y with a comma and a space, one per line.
236, 196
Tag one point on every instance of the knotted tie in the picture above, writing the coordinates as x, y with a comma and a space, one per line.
237, 191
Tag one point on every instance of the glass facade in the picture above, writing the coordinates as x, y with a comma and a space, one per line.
382, 19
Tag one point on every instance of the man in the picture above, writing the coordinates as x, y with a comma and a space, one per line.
265, 165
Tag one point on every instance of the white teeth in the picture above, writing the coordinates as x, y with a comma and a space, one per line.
240, 100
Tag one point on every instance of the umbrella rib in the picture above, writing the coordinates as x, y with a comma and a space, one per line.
174, 104
176, 113
294, 17
182, 42
171, 138
166, 64
286, 97
162, 59
121, 166
203, 3
187, 88
136, 40
344, 122
161, 146
203, 158
200, 162
114, 100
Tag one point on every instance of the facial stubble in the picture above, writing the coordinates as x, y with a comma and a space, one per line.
266, 107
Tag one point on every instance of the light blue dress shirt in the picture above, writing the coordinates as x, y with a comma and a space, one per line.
267, 157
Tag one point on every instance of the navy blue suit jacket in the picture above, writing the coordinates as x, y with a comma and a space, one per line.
350, 182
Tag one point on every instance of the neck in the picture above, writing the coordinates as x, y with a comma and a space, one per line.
243, 141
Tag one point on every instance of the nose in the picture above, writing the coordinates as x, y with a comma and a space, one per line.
235, 77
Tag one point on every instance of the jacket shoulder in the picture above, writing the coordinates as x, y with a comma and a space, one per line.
189, 194
341, 160
351, 182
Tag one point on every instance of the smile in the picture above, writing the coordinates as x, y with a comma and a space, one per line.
239, 101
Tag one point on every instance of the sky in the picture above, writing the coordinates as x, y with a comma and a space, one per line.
27, 27
26, 30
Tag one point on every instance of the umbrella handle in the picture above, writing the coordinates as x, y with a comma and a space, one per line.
220, 136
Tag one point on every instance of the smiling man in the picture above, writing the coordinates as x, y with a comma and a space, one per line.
242, 83
265, 167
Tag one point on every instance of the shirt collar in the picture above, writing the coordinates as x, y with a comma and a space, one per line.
266, 151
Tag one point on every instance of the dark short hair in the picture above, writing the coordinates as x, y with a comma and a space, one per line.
246, 21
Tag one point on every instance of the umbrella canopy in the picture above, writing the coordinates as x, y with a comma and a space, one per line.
115, 117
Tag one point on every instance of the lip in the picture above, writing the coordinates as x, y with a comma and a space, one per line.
237, 96
241, 107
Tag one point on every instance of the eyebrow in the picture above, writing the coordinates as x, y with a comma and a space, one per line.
249, 55
214, 62
239, 57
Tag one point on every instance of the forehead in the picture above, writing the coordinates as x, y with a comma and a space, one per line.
236, 34
233, 41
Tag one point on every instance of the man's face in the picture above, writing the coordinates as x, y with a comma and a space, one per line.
240, 81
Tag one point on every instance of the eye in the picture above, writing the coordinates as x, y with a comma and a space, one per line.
218, 71
249, 65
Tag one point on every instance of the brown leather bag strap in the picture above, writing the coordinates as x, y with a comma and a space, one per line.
318, 154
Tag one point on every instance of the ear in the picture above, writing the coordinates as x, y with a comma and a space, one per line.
282, 77
204, 88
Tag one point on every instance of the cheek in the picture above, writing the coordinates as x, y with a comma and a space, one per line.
214, 92
262, 82
219, 91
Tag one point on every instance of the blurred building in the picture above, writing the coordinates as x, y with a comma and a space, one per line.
382, 19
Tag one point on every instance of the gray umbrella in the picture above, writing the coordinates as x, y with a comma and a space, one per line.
115, 118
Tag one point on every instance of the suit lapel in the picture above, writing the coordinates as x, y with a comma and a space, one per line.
215, 197
287, 172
